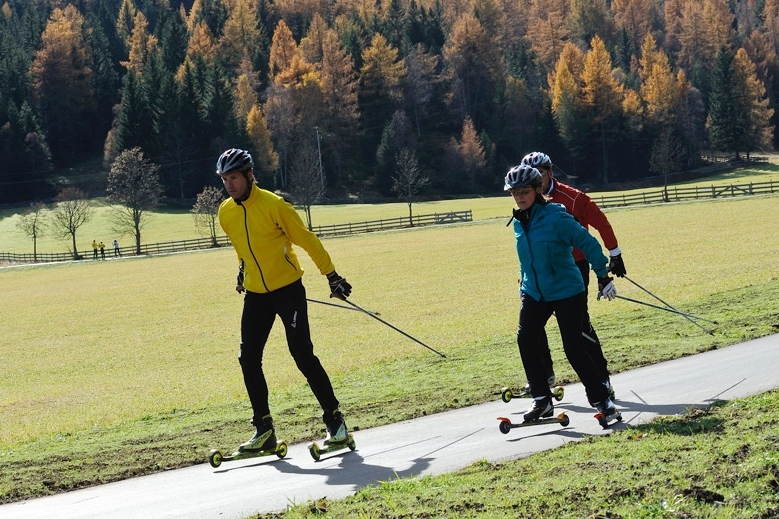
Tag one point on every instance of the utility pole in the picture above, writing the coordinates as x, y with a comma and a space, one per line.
319, 151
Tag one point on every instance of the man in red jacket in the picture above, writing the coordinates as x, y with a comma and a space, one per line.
587, 213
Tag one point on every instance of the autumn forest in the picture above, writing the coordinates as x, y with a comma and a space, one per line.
352, 93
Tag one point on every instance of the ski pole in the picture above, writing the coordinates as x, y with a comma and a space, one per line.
338, 306
669, 306
394, 328
666, 304
672, 311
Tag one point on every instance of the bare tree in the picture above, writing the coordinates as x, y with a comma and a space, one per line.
408, 180
667, 155
72, 210
33, 224
307, 183
206, 212
134, 184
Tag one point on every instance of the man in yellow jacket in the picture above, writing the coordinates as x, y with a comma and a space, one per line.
262, 228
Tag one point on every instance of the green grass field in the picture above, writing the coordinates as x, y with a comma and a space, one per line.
134, 360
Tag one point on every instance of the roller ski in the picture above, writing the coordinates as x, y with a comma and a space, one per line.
507, 394
607, 413
541, 412
215, 457
506, 425
316, 451
263, 443
337, 436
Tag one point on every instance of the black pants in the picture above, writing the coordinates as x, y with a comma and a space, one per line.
533, 316
589, 337
259, 314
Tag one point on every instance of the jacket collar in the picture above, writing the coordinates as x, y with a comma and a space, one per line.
253, 196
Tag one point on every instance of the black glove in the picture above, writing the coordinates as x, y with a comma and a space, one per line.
339, 287
617, 266
239, 281
521, 216
606, 288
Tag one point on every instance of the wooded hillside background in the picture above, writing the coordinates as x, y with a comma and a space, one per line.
612, 90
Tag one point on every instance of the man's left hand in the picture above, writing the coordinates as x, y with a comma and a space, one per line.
339, 287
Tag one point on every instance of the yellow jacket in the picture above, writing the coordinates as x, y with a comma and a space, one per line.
262, 230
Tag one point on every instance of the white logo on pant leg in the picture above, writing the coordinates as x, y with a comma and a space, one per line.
294, 319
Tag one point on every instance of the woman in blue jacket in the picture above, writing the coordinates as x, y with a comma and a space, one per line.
551, 283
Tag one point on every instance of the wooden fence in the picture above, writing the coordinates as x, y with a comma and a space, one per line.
679, 194
146, 249
221, 241
394, 223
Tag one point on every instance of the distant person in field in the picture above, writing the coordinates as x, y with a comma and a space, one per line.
94, 249
588, 214
102, 249
551, 283
116, 249
262, 228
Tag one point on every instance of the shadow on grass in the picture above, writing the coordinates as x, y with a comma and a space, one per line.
695, 421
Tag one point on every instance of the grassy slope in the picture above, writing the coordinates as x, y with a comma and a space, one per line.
718, 462
175, 390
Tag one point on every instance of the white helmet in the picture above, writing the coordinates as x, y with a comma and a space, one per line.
537, 159
520, 176
234, 159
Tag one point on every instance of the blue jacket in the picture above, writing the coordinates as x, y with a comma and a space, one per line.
544, 247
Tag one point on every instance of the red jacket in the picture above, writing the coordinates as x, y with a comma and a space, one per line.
586, 212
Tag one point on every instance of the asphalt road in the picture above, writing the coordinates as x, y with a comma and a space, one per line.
430, 445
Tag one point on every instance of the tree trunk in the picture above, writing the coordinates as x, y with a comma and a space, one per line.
605, 155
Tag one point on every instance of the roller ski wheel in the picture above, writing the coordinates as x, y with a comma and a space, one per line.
215, 457
506, 394
316, 451
506, 425
606, 420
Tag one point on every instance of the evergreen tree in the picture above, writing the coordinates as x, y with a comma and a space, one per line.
725, 132
171, 32
105, 77
134, 125
158, 92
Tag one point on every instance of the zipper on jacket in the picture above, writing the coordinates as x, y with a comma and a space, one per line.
526, 227
249, 244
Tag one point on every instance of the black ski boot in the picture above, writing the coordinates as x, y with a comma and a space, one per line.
540, 408
264, 438
336, 427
